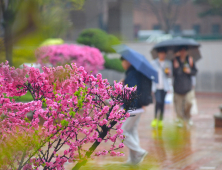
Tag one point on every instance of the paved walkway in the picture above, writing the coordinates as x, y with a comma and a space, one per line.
198, 147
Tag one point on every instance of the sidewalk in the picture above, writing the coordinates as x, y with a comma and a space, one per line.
198, 147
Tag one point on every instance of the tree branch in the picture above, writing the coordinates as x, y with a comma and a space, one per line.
22, 160
155, 11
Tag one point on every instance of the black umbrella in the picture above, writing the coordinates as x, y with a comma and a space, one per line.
193, 47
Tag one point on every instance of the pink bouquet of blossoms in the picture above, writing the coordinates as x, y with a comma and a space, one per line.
88, 57
71, 105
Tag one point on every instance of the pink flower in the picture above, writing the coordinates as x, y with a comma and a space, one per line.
112, 153
121, 137
119, 126
65, 152
27, 167
99, 140
121, 145
105, 152
119, 131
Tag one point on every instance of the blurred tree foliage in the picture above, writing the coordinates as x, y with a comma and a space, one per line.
16, 147
212, 7
98, 38
27, 23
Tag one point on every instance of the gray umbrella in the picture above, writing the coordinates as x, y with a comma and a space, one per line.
193, 47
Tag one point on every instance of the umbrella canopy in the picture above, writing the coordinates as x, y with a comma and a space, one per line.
193, 47
138, 61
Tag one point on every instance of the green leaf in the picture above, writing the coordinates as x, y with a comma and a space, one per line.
26, 119
72, 113
80, 104
54, 85
77, 93
64, 123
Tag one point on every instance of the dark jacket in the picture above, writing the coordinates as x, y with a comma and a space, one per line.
133, 78
182, 81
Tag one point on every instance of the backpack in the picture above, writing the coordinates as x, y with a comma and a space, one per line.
145, 98
188, 60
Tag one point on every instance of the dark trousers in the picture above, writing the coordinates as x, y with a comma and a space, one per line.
160, 100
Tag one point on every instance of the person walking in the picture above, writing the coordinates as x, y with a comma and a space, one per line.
161, 88
194, 108
183, 70
136, 153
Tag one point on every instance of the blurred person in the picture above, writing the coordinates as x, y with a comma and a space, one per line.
183, 70
136, 153
161, 88
194, 109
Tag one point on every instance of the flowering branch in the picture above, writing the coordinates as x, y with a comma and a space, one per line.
72, 105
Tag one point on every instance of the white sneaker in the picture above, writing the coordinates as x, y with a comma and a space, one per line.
140, 158
180, 124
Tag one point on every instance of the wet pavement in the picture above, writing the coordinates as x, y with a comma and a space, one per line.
173, 148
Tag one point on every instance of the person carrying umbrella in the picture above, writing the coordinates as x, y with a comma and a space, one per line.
139, 72
160, 89
183, 70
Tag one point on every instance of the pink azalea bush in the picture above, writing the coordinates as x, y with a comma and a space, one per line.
72, 105
88, 57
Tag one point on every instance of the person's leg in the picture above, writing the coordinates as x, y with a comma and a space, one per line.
157, 106
188, 104
154, 122
132, 140
194, 108
135, 135
163, 95
162, 102
179, 106
156, 110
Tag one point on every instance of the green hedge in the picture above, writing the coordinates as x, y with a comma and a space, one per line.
2, 51
114, 64
99, 39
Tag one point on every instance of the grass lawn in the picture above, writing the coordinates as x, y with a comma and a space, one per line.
25, 98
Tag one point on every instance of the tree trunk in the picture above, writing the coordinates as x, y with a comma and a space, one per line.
8, 43
93, 147
167, 27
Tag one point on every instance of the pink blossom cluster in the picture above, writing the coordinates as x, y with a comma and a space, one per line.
73, 107
88, 57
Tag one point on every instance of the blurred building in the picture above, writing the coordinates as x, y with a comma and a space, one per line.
113, 16
187, 22
125, 18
